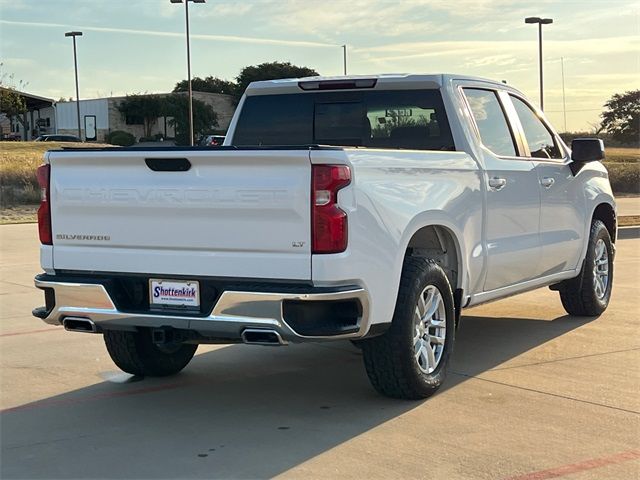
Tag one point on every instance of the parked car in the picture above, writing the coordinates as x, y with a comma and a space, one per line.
372, 209
211, 140
58, 138
12, 137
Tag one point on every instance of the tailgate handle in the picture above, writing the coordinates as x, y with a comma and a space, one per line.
168, 164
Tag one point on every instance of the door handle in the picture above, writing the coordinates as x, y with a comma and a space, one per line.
497, 183
547, 182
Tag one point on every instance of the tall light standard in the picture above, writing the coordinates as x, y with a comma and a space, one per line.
75, 64
186, 14
344, 58
540, 22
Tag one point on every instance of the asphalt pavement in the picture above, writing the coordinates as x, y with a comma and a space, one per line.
532, 394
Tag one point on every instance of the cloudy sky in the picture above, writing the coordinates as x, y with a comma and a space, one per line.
132, 46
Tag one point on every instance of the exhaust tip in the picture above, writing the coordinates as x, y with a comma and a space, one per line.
262, 337
77, 324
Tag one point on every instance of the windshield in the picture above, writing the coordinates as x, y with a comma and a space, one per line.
380, 119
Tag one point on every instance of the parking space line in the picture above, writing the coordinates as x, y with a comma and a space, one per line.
99, 396
31, 288
580, 466
557, 395
577, 357
29, 332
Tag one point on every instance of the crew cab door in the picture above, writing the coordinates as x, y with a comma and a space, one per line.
563, 209
513, 194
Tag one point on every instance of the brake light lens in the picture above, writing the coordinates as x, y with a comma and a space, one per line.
328, 221
44, 211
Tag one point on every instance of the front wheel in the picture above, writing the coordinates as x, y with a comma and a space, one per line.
589, 293
135, 353
410, 359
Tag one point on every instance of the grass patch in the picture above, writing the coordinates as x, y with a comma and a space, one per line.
18, 164
622, 155
19, 214
629, 221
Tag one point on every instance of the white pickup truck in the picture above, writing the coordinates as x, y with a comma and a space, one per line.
366, 208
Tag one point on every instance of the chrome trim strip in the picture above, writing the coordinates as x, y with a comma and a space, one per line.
234, 311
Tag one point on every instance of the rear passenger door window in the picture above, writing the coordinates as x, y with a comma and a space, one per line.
540, 140
491, 121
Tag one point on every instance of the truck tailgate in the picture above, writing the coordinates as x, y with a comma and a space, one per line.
242, 214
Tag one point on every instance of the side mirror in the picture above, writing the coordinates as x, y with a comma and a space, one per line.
585, 150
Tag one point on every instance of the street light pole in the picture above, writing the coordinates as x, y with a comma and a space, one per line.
75, 64
344, 58
190, 91
564, 101
540, 22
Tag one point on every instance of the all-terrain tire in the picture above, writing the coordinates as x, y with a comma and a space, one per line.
578, 295
135, 353
390, 358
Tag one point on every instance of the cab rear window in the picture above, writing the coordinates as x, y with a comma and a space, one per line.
412, 119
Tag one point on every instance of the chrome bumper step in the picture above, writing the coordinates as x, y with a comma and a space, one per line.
234, 313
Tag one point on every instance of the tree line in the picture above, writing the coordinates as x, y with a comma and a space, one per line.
253, 73
145, 109
620, 119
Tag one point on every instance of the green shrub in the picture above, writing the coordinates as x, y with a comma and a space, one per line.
153, 138
122, 138
624, 177
608, 140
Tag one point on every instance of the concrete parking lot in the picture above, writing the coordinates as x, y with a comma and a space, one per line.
532, 394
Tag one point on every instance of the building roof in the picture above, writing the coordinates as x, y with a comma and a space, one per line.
33, 102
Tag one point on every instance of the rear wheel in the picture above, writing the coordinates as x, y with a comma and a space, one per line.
589, 293
135, 353
410, 359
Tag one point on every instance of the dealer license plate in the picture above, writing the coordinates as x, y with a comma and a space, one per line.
174, 293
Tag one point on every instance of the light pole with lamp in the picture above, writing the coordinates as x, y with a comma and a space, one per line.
75, 64
186, 13
540, 22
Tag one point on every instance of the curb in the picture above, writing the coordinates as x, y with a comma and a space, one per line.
625, 233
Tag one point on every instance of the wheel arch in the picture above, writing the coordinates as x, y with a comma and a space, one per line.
439, 243
606, 213
437, 238
600, 208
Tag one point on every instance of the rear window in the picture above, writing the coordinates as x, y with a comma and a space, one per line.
412, 119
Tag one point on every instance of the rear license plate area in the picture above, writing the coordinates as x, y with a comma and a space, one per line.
165, 294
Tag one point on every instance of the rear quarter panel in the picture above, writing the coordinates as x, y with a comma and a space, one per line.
392, 195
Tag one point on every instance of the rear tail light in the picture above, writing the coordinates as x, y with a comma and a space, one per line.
328, 221
44, 212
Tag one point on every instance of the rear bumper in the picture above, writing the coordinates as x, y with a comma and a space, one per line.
233, 312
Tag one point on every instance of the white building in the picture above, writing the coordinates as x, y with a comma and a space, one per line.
39, 119
100, 116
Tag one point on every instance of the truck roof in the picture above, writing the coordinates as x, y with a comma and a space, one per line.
383, 81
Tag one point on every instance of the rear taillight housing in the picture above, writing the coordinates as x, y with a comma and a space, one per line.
328, 221
44, 212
